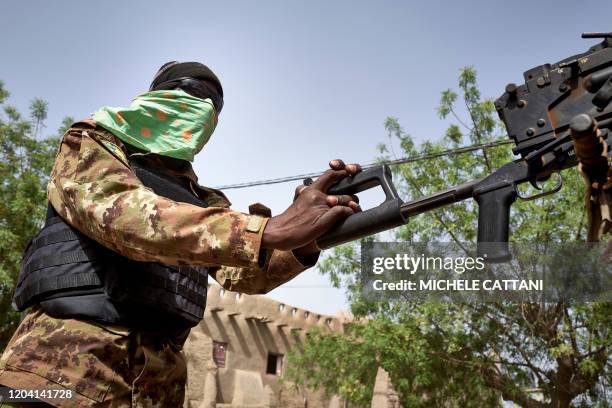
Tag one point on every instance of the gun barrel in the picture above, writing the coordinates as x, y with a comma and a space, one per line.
595, 81
597, 35
439, 199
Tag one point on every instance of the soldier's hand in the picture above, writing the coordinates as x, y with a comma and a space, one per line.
313, 211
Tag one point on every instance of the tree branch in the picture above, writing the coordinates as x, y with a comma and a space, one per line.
496, 381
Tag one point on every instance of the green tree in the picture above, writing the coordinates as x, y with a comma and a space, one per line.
25, 163
468, 355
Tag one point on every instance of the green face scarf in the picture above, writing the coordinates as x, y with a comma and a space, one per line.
170, 123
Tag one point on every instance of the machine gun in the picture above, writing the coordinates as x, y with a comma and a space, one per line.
553, 118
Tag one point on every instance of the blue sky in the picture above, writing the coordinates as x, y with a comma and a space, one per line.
304, 81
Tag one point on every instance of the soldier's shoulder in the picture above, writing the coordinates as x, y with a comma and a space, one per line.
88, 128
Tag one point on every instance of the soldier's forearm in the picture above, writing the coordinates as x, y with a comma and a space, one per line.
279, 269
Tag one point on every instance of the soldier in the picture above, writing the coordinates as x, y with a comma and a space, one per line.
118, 275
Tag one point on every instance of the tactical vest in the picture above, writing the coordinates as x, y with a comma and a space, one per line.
72, 276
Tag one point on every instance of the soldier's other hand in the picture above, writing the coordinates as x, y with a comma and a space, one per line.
313, 211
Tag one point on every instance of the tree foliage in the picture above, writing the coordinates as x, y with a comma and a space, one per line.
468, 355
26, 159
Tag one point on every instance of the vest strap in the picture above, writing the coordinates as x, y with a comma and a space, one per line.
28, 294
63, 235
177, 288
188, 271
57, 260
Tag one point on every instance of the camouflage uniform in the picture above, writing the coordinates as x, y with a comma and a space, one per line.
93, 188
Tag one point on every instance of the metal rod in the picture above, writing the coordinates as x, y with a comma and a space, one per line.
596, 35
440, 199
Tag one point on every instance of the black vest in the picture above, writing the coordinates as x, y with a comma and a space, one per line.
72, 276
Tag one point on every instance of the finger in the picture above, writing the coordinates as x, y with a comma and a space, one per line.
333, 216
299, 189
353, 168
327, 179
354, 206
338, 200
337, 164
331, 200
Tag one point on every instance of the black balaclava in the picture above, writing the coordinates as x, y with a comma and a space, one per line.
192, 77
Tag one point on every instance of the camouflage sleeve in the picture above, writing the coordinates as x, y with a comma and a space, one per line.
280, 267
94, 190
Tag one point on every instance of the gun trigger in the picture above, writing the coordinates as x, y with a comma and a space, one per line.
535, 184
543, 193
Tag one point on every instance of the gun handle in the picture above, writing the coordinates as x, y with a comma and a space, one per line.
386, 216
494, 223
367, 179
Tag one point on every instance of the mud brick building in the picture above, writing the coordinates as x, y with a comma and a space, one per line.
237, 355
